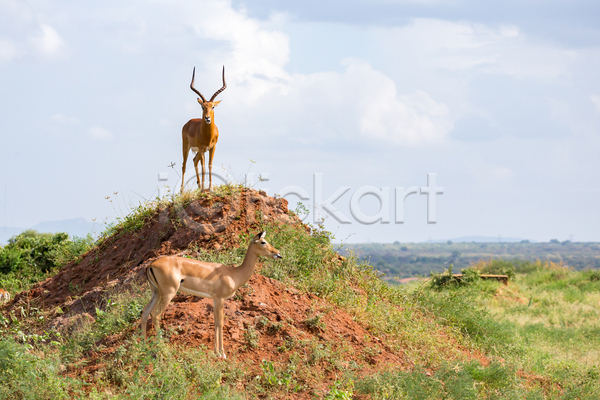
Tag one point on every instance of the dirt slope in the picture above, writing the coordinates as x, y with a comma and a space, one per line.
210, 223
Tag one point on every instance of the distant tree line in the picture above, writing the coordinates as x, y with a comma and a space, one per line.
414, 259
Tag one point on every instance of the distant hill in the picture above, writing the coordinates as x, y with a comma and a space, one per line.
6, 232
74, 227
482, 239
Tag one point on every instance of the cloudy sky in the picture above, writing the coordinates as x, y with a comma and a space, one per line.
501, 102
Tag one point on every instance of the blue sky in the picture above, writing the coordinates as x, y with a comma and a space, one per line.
501, 101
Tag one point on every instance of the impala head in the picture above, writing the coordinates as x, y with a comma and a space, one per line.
263, 248
208, 106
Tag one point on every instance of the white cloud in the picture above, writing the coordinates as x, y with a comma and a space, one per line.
64, 120
408, 119
48, 42
501, 173
487, 174
456, 46
28, 31
596, 100
509, 31
359, 102
7, 50
100, 134
255, 57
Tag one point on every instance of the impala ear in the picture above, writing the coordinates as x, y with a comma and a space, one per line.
200, 101
262, 235
216, 103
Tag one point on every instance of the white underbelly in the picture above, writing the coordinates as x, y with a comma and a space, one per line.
195, 293
200, 149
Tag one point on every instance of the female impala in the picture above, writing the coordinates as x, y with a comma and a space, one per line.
219, 282
201, 135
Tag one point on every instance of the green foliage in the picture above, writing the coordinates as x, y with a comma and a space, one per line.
275, 375
447, 280
30, 252
117, 315
134, 369
151, 369
19, 368
251, 337
31, 256
458, 309
442, 280
316, 322
337, 393
301, 210
459, 381
503, 267
71, 250
132, 222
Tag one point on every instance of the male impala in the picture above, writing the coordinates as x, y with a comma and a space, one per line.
219, 282
201, 135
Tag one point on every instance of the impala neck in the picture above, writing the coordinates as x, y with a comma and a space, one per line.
212, 125
246, 269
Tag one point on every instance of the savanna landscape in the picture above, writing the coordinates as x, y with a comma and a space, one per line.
400, 200
314, 324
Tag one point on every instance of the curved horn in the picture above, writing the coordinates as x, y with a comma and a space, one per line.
192, 86
223, 88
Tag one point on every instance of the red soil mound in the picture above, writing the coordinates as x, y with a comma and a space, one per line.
280, 315
210, 223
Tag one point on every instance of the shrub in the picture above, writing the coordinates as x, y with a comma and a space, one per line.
31, 257
447, 279
31, 252
500, 267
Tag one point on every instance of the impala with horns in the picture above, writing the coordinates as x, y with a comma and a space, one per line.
167, 275
201, 135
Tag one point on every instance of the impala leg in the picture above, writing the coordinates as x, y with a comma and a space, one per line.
186, 150
197, 158
148, 309
202, 161
219, 350
164, 301
211, 153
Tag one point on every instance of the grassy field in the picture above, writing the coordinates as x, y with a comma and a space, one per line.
550, 314
536, 338
555, 314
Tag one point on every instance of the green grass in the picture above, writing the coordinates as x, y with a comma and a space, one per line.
134, 369
461, 381
554, 313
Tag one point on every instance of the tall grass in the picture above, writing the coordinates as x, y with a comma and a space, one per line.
459, 381
554, 313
